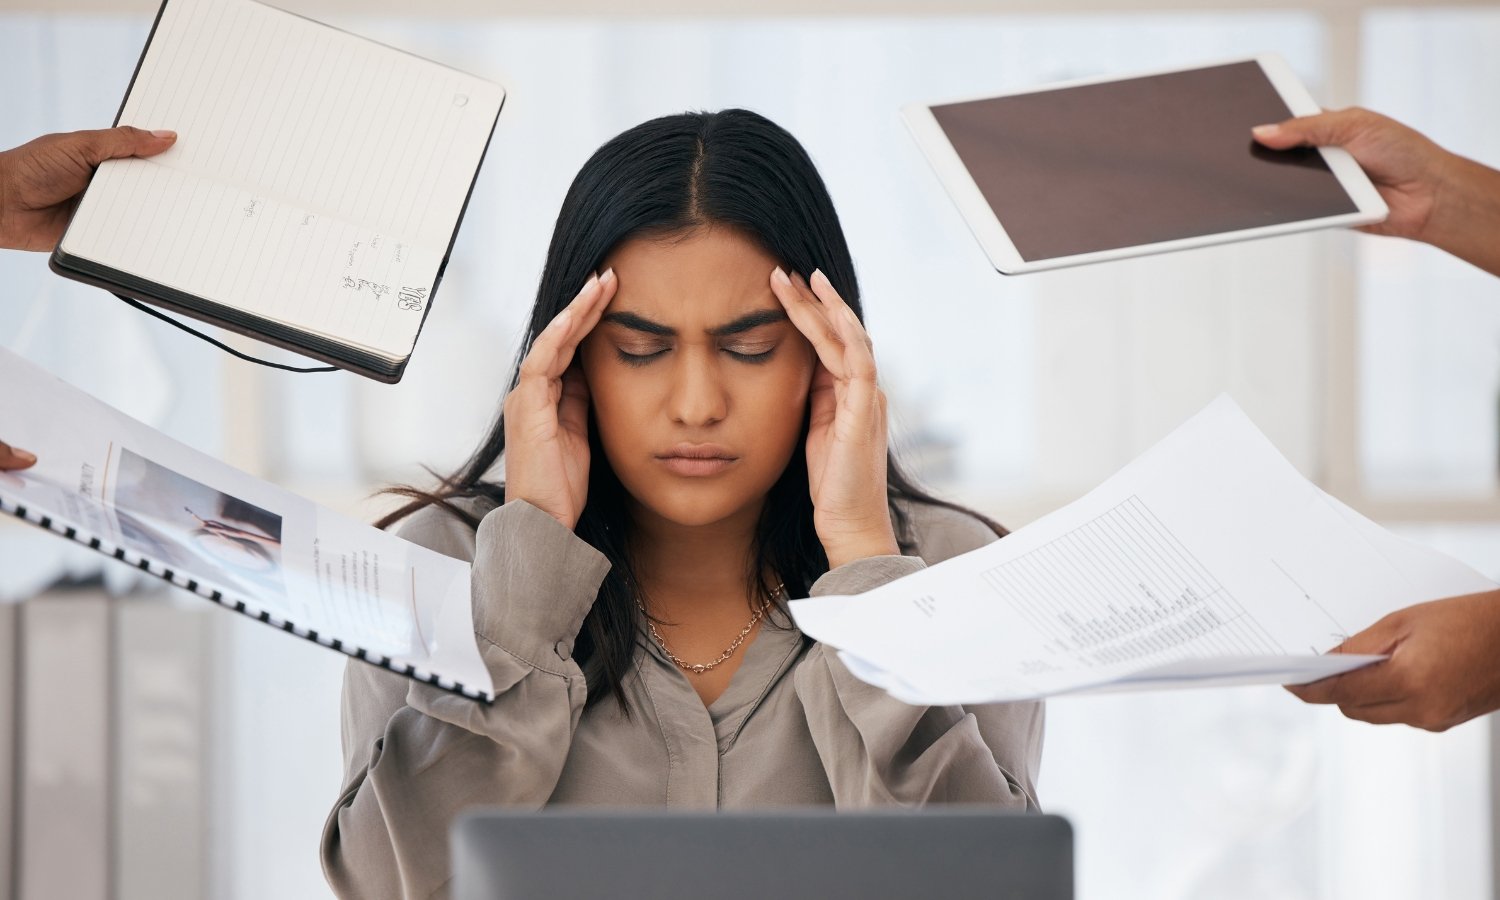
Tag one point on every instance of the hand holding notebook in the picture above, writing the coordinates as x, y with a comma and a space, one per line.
313, 194
40, 181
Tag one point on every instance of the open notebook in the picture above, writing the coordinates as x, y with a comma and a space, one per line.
313, 194
130, 492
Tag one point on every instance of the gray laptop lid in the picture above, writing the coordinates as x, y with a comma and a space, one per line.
814, 853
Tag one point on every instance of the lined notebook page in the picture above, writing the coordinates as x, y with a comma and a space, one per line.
316, 180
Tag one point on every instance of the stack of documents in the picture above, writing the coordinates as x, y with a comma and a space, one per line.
1209, 560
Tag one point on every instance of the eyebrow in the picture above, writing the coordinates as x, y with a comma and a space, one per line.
743, 323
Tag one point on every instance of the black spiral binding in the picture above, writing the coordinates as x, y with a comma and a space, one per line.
189, 584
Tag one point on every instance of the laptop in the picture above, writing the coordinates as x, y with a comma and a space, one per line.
949, 852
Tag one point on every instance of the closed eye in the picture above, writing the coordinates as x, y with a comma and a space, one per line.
637, 359
752, 355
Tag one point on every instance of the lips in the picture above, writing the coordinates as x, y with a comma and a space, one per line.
698, 451
697, 459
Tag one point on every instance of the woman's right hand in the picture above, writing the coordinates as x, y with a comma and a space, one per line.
14, 458
546, 416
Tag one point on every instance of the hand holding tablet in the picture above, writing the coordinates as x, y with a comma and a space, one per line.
1110, 168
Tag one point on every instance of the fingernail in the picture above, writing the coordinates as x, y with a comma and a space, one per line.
608, 276
24, 456
818, 273
778, 276
1266, 131
165, 135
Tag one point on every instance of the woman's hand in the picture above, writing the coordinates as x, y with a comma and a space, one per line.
546, 416
846, 438
14, 457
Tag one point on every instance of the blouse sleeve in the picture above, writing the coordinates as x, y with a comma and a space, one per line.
412, 767
878, 751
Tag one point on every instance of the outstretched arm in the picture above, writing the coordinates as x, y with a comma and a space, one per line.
1435, 196
1443, 670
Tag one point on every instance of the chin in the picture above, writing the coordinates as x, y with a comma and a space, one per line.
696, 504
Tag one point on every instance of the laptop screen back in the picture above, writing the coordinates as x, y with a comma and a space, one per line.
953, 853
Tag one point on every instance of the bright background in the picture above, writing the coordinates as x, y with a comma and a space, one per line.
1373, 364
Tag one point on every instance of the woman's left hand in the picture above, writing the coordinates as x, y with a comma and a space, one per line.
846, 439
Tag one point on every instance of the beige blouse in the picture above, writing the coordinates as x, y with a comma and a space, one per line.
793, 727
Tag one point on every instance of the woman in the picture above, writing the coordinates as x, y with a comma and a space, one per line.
689, 440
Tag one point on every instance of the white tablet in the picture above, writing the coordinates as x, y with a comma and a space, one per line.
1101, 169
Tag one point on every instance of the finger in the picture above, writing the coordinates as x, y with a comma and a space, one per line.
15, 458
1380, 639
609, 283
860, 395
1393, 713
1320, 691
573, 409
829, 296
859, 357
552, 351
814, 302
1376, 683
1371, 684
1325, 129
807, 313
119, 143
539, 391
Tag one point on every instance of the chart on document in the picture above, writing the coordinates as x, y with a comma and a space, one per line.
1207, 560
1123, 589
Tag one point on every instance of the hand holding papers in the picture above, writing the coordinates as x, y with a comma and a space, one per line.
112, 484
1207, 561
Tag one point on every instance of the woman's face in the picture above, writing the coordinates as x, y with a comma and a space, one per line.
698, 380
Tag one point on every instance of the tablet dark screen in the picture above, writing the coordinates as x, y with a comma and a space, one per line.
1105, 166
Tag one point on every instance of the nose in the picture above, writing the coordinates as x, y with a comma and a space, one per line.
698, 395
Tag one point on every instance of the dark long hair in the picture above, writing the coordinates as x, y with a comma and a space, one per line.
670, 175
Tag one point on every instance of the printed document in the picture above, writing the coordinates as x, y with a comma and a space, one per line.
115, 485
1209, 560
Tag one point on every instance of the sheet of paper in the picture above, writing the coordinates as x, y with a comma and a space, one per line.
1208, 560
1219, 671
140, 495
316, 178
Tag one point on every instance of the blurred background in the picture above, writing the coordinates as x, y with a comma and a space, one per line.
154, 746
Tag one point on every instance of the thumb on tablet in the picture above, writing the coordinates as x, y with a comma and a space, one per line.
1326, 129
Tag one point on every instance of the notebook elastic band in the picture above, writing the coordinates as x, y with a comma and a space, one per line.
222, 346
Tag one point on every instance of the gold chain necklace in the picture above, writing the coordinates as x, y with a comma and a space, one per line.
700, 668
